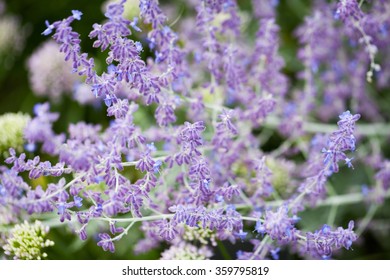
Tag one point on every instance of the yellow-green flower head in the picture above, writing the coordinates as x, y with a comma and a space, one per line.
186, 251
281, 177
11, 133
202, 235
131, 8
27, 241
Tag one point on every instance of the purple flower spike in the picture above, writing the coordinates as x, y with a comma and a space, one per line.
322, 243
134, 24
241, 234
167, 230
78, 201
259, 228
156, 166
275, 253
348, 9
83, 234
279, 225
49, 29
77, 14
106, 242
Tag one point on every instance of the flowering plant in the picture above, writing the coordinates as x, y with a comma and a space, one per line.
210, 143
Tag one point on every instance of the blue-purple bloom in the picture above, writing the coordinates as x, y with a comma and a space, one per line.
321, 243
106, 242
77, 14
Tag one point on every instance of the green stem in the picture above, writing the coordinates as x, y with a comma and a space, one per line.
261, 246
382, 129
60, 190
345, 199
133, 163
332, 214
371, 129
137, 219
252, 219
367, 219
119, 236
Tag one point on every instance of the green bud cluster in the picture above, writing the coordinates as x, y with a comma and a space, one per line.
26, 241
202, 235
280, 174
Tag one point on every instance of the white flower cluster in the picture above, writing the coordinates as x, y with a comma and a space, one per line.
202, 235
49, 75
11, 42
12, 37
186, 251
9, 37
26, 241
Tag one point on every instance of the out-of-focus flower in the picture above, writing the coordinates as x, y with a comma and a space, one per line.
131, 8
26, 241
82, 93
186, 251
12, 37
11, 134
49, 75
348, 9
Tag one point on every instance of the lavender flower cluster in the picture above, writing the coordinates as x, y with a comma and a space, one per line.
199, 175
